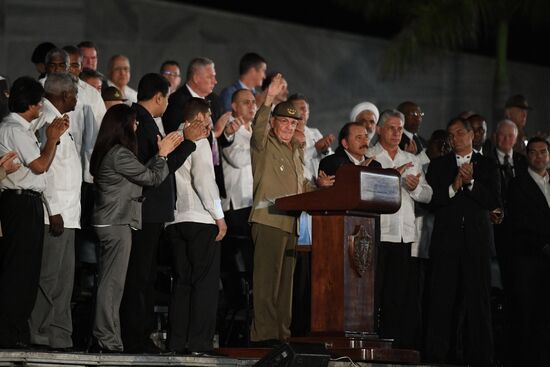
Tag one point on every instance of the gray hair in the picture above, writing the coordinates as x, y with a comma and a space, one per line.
58, 83
391, 113
197, 63
506, 122
114, 58
57, 52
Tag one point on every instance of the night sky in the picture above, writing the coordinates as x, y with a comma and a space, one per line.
526, 43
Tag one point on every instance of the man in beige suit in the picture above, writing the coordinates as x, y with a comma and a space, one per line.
278, 170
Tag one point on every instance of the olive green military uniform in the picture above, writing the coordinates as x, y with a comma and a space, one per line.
278, 171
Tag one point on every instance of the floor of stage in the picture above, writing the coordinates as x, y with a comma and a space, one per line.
47, 359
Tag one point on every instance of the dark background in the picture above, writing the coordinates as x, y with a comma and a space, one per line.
526, 43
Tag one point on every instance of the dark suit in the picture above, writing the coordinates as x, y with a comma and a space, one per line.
460, 255
502, 233
421, 143
529, 216
331, 163
137, 320
173, 117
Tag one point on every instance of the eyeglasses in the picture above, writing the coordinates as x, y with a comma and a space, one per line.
171, 73
416, 114
286, 122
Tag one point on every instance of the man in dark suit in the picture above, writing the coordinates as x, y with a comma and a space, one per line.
201, 80
137, 321
529, 213
252, 69
353, 142
410, 140
510, 164
465, 189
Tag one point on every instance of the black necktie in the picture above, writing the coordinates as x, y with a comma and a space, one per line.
419, 146
507, 172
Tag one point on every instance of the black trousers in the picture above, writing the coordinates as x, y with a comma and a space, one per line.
459, 313
399, 295
22, 218
194, 301
137, 308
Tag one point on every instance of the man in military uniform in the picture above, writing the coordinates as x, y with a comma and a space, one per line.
278, 170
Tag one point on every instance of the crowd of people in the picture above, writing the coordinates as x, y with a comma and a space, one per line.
90, 167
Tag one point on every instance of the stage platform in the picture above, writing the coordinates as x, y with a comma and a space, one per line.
47, 359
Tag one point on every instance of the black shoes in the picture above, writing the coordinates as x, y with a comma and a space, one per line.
96, 348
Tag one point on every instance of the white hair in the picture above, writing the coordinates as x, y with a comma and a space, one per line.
506, 122
391, 113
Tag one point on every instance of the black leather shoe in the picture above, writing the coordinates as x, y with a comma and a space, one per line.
96, 348
16, 345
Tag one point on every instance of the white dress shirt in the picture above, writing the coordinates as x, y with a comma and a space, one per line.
128, 93
17, 134
237, 171
400, 226
542, 182
500, 157
64, 177
198, 198
311, 156
85, 121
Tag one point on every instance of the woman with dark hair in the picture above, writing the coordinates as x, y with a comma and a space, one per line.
119, 177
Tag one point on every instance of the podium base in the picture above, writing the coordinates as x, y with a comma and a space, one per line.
362, 348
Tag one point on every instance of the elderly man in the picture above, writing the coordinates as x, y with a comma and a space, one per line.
516, 109
465, 189
21, 209
273, 231
400, 314
200, 83
119, 73
50, 322
367, 114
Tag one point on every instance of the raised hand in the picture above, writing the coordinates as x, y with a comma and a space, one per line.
275, 87
232, 127
411, 181
323, 144
168, 143
323, 180
401, 169
58, 126
195, 131
466, 171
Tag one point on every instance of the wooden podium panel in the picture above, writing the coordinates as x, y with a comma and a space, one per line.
346, 237
342, 298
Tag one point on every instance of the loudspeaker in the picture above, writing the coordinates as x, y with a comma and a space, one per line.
296, 355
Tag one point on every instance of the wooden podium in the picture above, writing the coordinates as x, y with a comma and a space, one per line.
346, 236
